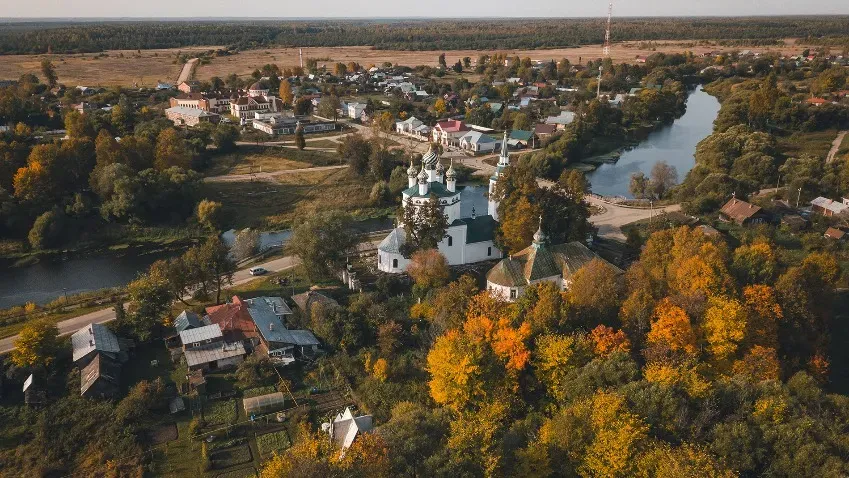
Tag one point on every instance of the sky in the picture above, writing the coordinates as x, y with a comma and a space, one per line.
412, 8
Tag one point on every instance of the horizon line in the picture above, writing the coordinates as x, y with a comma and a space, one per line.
378, 18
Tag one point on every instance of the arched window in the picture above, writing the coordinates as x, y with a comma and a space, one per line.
394, 263
450, 241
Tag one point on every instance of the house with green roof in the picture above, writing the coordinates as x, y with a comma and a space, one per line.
539, 262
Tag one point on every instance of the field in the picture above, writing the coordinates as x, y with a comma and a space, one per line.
146, 67
223, 412
816, 143
276, 204
255, 159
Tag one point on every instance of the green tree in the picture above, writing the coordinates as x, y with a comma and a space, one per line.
328, 107
323, 242
49, 73
150, 301
37, 344
47, 231
224, 136
424, 224
303, 106
356, 150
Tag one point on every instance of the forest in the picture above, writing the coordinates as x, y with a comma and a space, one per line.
484, 34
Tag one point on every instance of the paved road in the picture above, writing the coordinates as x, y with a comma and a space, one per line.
614, 216
835, 145
186, 72
69, 326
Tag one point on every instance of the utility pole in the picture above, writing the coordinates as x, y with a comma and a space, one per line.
301, 56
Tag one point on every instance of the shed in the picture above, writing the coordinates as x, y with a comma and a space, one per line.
271, 402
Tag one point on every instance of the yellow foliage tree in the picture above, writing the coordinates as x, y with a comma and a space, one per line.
36, 345
556, 356
379, 369
764, 313
684, 375
619, 435
454, 370
518, 227
725, 326
685, 461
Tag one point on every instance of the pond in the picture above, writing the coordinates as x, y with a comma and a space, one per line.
674, 143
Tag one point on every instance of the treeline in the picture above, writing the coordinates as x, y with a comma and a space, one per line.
71, 37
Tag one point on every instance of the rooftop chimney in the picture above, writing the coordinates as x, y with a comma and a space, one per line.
271, 326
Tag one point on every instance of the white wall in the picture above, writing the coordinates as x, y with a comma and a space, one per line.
384, 262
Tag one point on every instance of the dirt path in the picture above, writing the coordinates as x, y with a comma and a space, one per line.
187, 71
835, 145
268, 176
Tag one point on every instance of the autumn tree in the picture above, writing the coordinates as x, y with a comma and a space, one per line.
36, 345
671, 330
686, 460
725, 324
286, 95
171, 151
755, 263
518, 227
449, 304
300, 142
556, 358
209, 214
607, 341
150, 300
595, 292
455, 375
429, 269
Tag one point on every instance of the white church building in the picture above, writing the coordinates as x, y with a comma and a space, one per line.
468, 239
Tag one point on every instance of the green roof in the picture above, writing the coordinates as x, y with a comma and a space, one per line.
433, 188
479, 229
521, 134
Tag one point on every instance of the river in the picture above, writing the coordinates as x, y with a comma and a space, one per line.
50, 278
674, 143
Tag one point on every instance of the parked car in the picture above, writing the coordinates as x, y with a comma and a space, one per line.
257, 271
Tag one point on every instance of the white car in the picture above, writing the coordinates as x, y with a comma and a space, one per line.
257, 271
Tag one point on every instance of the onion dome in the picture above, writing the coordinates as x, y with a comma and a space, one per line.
257, 87
430, 158
439, 167
451, 173
411, 171
539, 236
423, 177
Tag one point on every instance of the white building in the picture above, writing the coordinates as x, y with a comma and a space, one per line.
467, 240
354, 110
414, 127
478, 142
539, 262
256, 101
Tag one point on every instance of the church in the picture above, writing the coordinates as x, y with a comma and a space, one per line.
468, 239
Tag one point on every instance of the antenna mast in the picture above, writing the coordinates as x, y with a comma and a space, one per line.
301, 54
605, 49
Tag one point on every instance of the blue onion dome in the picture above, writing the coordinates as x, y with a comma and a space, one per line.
430, 158
411, 171
451, 174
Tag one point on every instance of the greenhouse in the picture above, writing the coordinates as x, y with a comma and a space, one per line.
264, 403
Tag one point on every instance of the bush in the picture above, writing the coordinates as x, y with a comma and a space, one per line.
47, 231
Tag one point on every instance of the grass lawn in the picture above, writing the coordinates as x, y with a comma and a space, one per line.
140, 367
321, 143
271, 442
254, 159
223, 412
817, 143
249, 472
257, 391
276, 205
178, 458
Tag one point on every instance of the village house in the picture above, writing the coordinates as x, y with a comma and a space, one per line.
816, 101
345, 427
414, 127
190, 86
537, 263
519, 139
100, 378
560, 121
542, 130
184, 116
478, 142
828, 208
354, 110
205, 349
304, 301
279, 343
96, 339
834, 233
449, 132
742, 213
